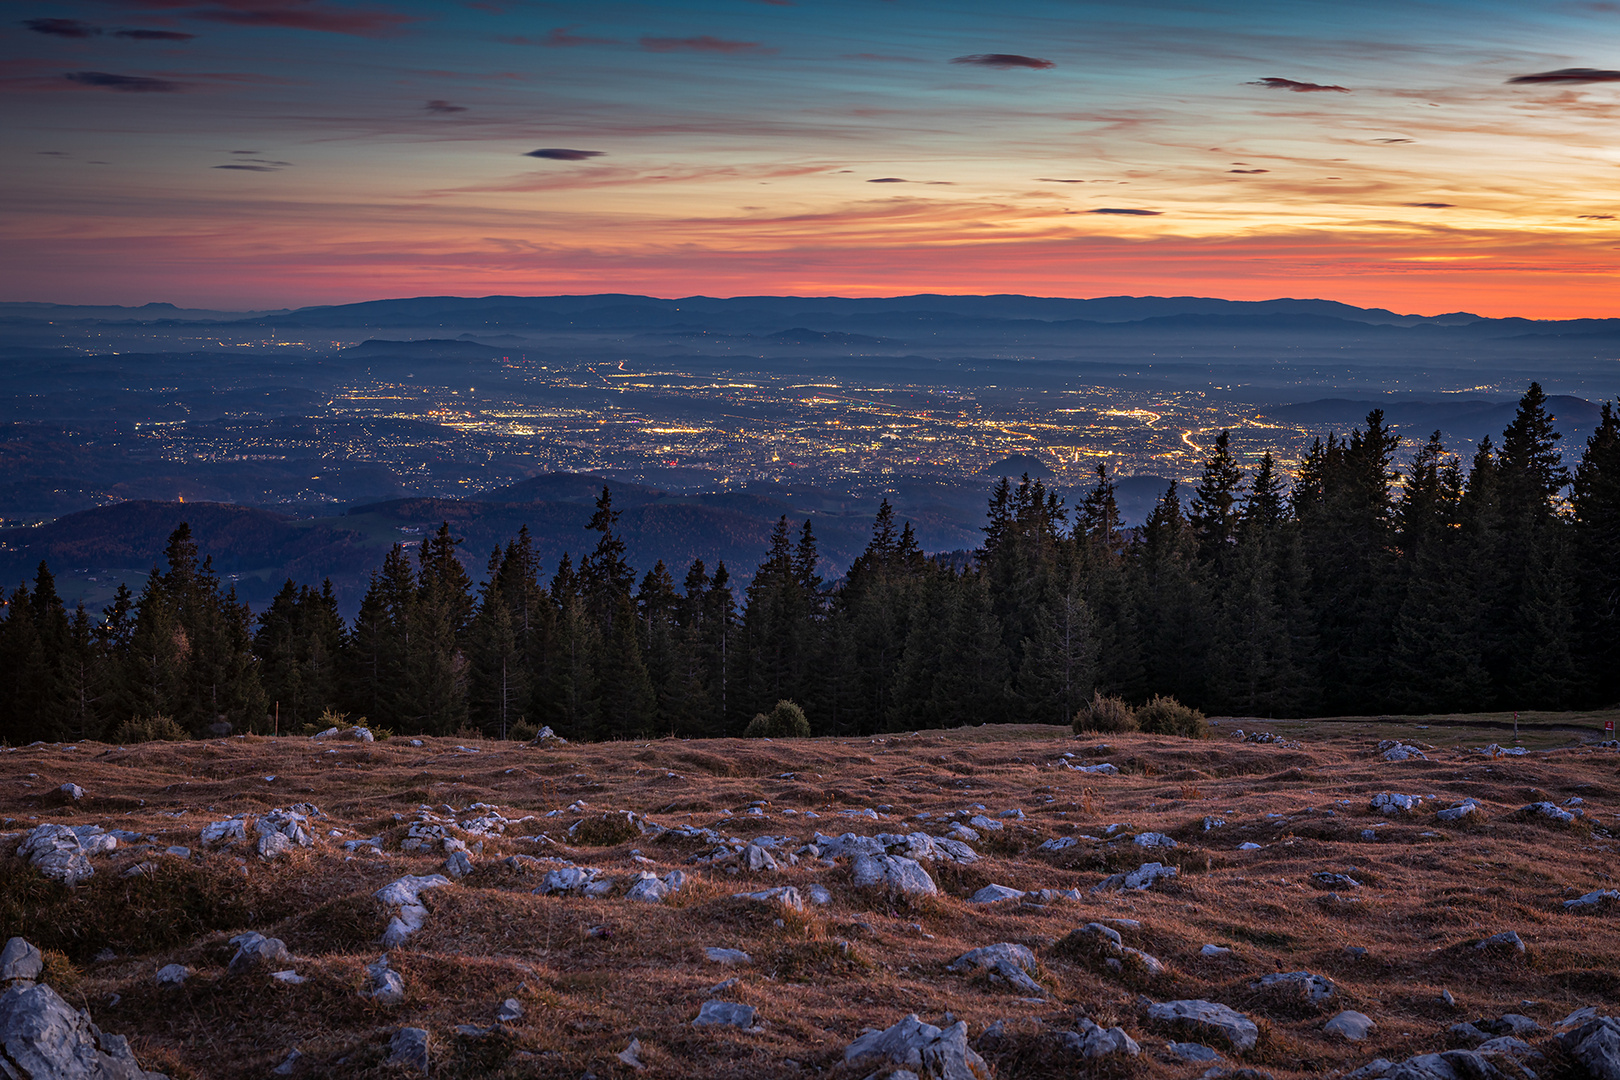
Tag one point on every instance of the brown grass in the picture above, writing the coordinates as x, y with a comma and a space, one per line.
1429, 892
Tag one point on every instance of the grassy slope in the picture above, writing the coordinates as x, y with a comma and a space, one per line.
1431, 891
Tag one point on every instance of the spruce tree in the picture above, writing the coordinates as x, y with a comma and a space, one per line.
1216, 501
1595, 502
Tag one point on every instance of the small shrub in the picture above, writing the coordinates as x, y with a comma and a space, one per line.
148, 729
1107, 714
522, 731
786, 721
1167, 716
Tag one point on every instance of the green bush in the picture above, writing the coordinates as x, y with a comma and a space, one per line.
786, 721
1167, 716
1110, 714
522, 731
138, 729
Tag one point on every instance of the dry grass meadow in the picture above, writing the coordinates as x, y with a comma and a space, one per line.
1429, 891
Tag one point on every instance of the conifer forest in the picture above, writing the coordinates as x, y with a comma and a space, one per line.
1378, 578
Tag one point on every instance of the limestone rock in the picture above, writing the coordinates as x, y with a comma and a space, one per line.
786, 895
1593, 902
916, 846
1006, 963
1152, 840
1395, 750
62, 853
347, 734
511, 1010
1214, 950
1351, 1025
1392, 804
229, 831
1450, 1065
253, 949
1143, 877
1208, 1018
1193, 1051
892, 873
458, 865
1507, 941
1094, 1041
1313, 988
1551, 811
819, 895
757, 859
70, 792
646, 888
995, 894
1467, 810
20, 960
409, 1047
728, 957
387, 985
289, 1065
172, 974
568, 879
726, 1014
1596, 1045
924, 1049
405, 895
631, 1055
44, 1038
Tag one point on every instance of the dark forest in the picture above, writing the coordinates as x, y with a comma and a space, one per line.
1349, 588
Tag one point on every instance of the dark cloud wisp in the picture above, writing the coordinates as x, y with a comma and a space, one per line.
68, 28
1432, 205
1127, 211
704, 43
1004, 61
1274, 83
558, 153
153, 35
439, 105
127, 84
303, 15
1568, 76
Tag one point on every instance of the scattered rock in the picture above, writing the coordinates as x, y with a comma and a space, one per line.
819, 895
458, 865
253, 949
1193, 1051
1094, 1041
1449, 1065
347, 734
70, 792
409, 1048
646, 888
631, 1055
404, 895
786, 895
290, 1065
20, 960
1312, 988
995, 894
62, 853
1596, 1045
1214, 950
925, 1050
511, 1010
1468, 811
568, 879
1208, 1018
547, 737
1249, 845
1326, 879
279, 831
1004, 963
230, 831
1152, 840
1058, 843
387, 985
1593, 902
1351, 1025
726, 1014
44, 1038
1393, 804
729, 957
892, 873
1395, 750
758, 860
1551, 811
291, 978
1143, 877
1507, 941
172, 974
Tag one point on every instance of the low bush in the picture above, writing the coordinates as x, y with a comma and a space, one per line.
139, 729
786, 721
1167, 716
1107, 714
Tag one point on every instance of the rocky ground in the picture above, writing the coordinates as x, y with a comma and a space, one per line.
1014, 902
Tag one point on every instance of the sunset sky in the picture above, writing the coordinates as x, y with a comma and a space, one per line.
1421, 156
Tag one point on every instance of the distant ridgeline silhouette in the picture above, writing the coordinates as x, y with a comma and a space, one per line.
1493, 583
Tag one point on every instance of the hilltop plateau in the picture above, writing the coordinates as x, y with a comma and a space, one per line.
592, 901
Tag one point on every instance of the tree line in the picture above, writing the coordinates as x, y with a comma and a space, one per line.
1352, 587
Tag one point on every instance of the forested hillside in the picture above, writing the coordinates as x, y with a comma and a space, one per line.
1350, 587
